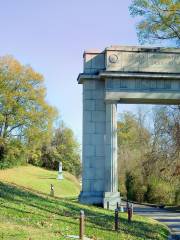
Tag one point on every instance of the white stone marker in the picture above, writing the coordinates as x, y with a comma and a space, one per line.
60, 172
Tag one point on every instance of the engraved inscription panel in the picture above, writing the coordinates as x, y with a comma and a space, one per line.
143, 62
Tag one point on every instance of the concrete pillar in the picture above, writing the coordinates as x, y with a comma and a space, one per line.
111, 175
94, 130
99, 183
111, 194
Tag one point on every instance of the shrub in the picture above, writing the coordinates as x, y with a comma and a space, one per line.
177, 196
135, 188
159, 192
13, 153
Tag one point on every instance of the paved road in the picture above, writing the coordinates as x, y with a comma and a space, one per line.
171, 219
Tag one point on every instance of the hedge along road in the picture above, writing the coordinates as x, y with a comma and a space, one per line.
170, 218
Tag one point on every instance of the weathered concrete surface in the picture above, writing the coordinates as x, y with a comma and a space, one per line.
171, 219
119, 75
132, 59
94, 130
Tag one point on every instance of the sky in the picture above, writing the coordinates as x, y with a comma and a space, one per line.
51, 36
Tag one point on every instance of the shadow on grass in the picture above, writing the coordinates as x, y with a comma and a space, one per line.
48, 178
23, 202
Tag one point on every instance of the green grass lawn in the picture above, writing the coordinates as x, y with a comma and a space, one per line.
33, 216
39, 180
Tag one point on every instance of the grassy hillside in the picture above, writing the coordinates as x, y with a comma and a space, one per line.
25, 215
39, 180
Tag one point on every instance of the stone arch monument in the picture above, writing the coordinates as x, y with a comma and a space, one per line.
119, 75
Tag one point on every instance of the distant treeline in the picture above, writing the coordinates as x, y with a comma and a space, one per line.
149, 155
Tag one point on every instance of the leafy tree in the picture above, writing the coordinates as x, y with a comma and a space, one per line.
133, 140
65, 148
133, 144
149, 160
159, 19
164, 155
25, 117
68, 149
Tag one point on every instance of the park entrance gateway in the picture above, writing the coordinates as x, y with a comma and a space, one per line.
119, 75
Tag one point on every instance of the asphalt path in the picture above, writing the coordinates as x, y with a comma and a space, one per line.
171, 219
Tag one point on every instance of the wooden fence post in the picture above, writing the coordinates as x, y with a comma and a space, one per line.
81, 225
116, 220
129, 213
52, 191
108, 205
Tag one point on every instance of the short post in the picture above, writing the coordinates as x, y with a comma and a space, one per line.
116, 220
52, 191
108, 205
117, 205
81, 225
129, 214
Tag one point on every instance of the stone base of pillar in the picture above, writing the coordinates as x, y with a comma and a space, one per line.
108, 200
111, 200
95, 198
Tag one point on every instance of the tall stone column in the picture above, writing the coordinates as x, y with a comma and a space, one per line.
94, 130
111, 194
